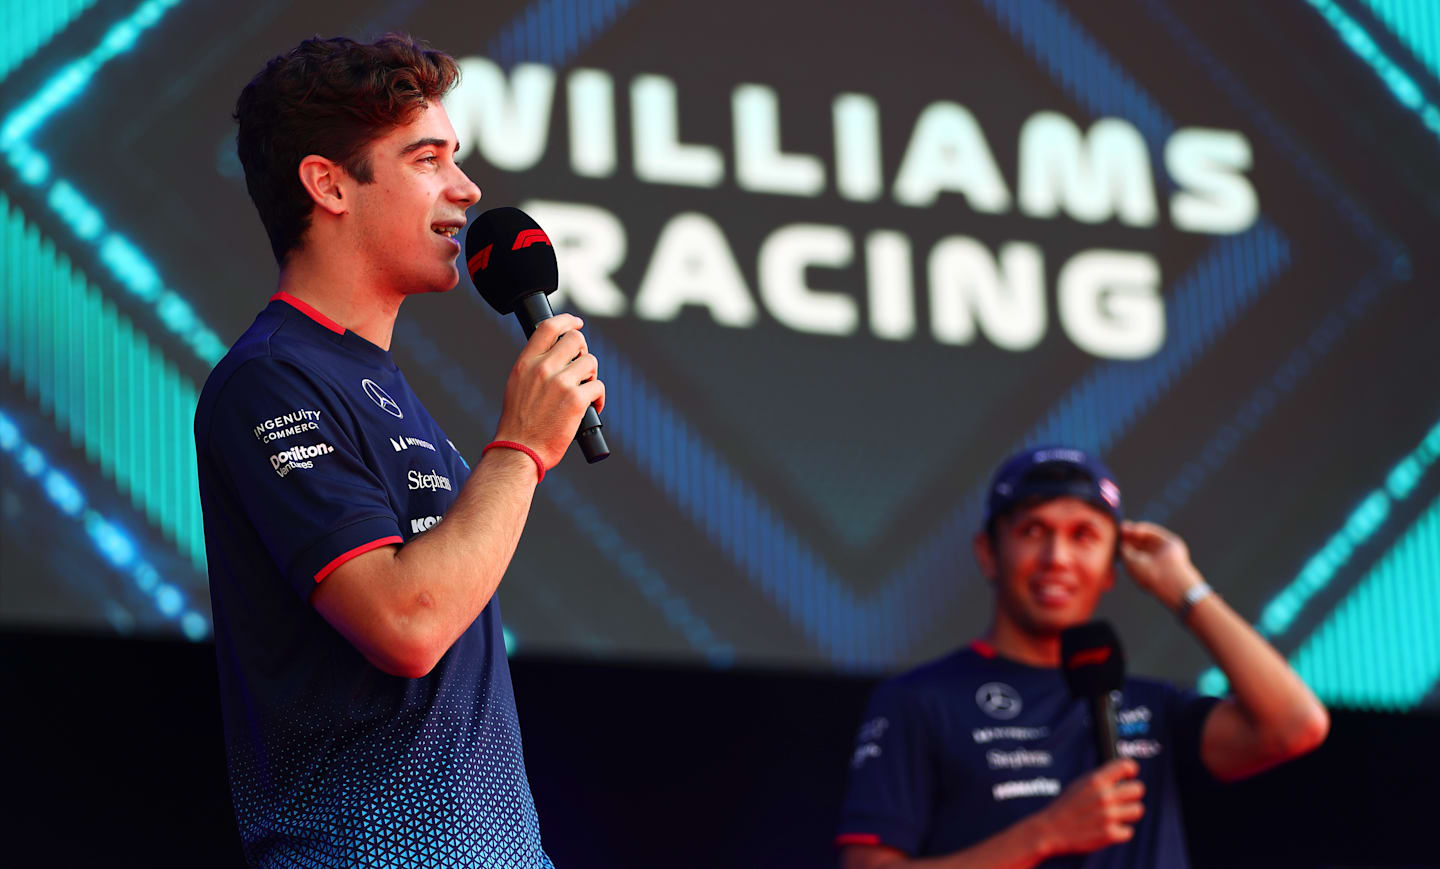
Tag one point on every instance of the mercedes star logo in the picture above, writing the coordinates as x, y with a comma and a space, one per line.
382, 398
998, 700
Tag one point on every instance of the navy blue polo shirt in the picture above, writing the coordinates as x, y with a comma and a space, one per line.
313, 449
959, 749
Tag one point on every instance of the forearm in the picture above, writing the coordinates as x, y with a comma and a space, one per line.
1286, 715
445, 577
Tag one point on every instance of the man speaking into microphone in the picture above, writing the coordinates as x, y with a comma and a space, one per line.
985, 758
369, 716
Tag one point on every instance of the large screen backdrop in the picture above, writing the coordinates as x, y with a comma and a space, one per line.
837, 260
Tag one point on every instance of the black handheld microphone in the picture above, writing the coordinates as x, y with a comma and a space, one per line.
1094, 666
512, 263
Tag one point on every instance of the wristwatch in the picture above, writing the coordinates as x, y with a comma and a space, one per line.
1193, 595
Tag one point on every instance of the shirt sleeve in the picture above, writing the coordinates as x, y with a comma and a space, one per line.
890, 794
296, 472
1187, 712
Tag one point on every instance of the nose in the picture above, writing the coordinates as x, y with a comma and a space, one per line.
466, 192
1056, 551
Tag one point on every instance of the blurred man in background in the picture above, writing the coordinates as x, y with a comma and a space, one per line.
984, 759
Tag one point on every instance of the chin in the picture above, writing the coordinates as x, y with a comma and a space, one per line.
1056, 622
436, 284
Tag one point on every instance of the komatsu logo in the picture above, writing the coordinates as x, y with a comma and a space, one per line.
424, 523
298, 457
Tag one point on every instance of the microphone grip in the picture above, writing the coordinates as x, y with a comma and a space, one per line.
1102, 720
531, 311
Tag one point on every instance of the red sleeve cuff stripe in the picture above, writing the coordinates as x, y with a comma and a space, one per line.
359, 550
857, 839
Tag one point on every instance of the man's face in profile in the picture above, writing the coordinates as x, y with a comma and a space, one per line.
408, 219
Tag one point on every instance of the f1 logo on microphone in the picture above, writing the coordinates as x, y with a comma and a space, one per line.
528, 237
1089, 656
479, 261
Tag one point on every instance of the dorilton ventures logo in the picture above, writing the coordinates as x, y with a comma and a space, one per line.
433, 481
298, 457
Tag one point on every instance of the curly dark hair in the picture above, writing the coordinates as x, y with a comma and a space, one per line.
331, 97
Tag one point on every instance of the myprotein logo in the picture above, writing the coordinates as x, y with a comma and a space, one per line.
381, 398
405, 442
298, 457
424, 523
433, 481
982, 735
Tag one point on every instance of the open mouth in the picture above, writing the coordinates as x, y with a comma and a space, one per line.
1050, 593
448, 231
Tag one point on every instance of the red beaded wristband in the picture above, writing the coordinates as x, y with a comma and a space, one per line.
512, 445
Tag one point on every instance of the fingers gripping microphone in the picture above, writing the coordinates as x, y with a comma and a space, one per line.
513, 266
1094, 666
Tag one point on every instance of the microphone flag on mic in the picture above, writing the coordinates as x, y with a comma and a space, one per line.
512, 262
1094, 666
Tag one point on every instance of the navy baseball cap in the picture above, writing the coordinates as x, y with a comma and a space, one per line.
1052, 472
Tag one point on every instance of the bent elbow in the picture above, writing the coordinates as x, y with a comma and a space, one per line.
407, 664
409, 650
1310, 733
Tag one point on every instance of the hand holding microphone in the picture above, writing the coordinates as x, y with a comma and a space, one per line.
1102, 807
553, 388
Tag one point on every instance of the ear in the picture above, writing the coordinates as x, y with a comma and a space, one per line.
985, 555
325, 181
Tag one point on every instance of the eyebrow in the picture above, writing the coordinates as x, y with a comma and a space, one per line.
422, 143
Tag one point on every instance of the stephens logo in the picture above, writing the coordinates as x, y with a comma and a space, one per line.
1017, 759
298, 457
381, 398
433, 481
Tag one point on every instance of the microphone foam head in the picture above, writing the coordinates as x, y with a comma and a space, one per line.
509, 257
1091, 659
